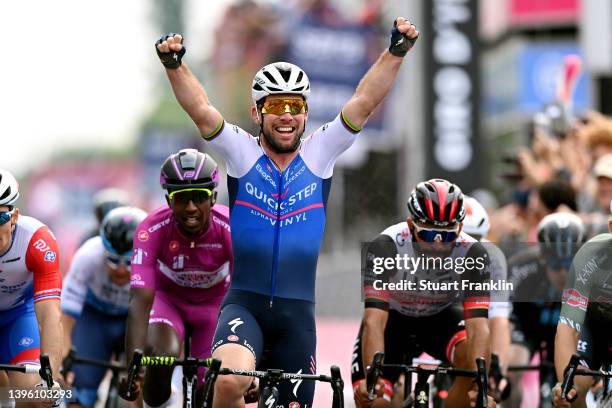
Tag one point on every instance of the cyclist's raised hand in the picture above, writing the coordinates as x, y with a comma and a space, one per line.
403, 36
170, 50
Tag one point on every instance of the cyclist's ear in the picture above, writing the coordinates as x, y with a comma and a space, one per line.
214, 198
255, 115
168, 200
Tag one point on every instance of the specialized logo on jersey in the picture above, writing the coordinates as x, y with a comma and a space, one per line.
271, 401
50, 256
143, 236
235, 323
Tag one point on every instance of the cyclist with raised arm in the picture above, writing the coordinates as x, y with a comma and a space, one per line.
30, 316
278, 186
585, 322
406, 322
181, 268
95, 298
538, 274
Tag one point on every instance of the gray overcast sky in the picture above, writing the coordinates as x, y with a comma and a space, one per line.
80, 73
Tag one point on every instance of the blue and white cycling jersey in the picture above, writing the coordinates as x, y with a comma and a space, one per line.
88, 282
278, 218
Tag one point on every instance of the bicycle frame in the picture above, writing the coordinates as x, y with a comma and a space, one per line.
421, 389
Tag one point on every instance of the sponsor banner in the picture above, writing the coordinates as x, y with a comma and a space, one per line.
543, 11
452, 91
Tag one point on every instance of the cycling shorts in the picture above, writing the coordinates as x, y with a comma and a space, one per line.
96, 335
282, 336
19, 336
177, 313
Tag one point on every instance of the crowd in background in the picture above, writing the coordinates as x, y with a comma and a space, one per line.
560, 170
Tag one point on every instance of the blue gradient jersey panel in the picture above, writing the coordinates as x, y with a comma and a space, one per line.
278, 218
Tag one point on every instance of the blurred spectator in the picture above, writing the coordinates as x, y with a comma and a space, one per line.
246, 38
603, 173
104, 201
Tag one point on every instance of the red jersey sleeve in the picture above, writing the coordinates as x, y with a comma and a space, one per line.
42, 258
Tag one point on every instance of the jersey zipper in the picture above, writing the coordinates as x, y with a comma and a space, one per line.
275, 250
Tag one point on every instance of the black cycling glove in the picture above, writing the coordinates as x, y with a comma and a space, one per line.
172, 59
400, 43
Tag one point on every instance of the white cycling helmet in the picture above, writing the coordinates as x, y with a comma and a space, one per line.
280, 78
9, 188
476, 220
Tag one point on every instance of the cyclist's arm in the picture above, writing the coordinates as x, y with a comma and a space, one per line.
374, 86
376, 299
137, 325
44, 264
147, 242
500, 339
476, 307
373, 337
75, 290
566, 342
191, 95
49, 318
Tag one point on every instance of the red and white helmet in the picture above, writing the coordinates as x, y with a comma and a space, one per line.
280, 78
9, 188
437, 202
476, 222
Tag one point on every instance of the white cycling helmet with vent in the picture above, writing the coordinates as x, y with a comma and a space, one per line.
280, 78
476, 220
9, 189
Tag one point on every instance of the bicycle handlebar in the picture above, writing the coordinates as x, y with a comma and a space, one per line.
72, 359
480, 375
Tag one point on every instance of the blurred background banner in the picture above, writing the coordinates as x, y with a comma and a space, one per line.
452, 92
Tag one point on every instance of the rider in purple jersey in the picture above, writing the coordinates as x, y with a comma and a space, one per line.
181, 268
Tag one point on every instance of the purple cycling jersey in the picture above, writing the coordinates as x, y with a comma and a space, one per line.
193, 269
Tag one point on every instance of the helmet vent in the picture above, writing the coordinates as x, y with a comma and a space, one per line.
430, 187
300, 76
6, 194
257, 87
269, 76
285, 74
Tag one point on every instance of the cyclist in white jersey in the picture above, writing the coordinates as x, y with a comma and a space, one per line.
96, 297
424, 315
278, 187
30, 288
476, 224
